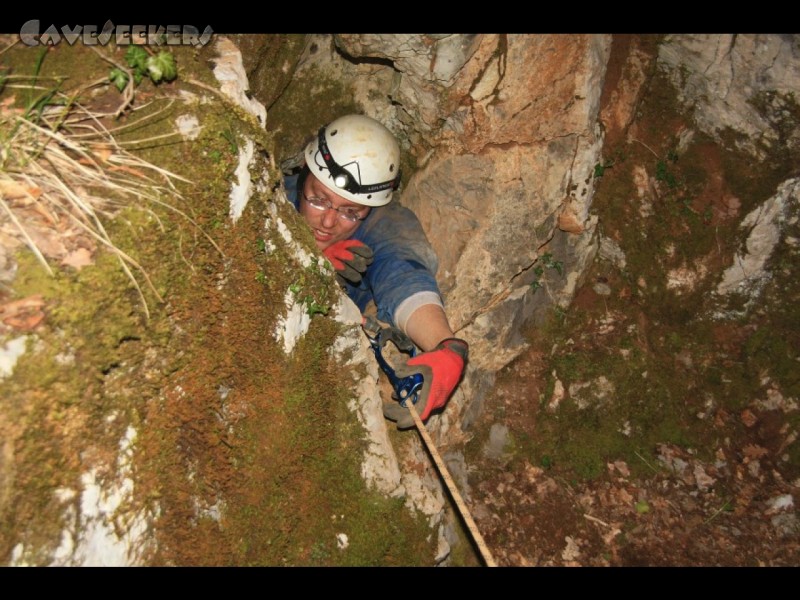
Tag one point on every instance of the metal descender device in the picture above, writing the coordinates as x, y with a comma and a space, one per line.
379, 336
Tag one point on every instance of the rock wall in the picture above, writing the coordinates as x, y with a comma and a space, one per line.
743, 90
740, 84
208, 431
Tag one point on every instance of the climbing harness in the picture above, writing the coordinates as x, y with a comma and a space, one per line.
406, 388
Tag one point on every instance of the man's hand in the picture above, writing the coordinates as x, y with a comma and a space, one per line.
350, 258
441, 370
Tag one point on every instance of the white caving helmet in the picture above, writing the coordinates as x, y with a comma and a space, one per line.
357, 158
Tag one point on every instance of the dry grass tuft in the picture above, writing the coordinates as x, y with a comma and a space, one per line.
59, 159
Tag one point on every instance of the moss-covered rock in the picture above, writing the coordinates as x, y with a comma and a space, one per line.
169, 425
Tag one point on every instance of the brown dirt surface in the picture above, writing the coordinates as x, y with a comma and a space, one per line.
736, 509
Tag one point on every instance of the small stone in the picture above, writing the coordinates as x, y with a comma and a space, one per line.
786, 525
572, 551
558, 395
779, 503
188, 126
602, 289
748, 418
342, 541
498, 440
703, 480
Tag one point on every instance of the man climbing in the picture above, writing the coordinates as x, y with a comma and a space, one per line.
379, 251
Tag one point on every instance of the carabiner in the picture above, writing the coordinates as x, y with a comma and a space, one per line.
405, 387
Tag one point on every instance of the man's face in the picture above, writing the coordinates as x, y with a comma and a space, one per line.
326, 225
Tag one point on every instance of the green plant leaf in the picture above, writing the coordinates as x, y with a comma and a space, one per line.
313, 307
136, 57
161, 67
119, 78
231, 138
600, 168
38, 67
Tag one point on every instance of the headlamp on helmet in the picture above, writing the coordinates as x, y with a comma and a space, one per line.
357, 158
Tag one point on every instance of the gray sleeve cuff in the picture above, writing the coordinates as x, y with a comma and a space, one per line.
412, 303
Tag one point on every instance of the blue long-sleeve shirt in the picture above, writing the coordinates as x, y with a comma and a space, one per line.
402, 274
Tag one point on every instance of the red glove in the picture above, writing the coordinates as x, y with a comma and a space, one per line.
350, 258
441, 370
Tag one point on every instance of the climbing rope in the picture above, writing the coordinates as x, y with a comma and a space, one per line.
451, 486
406, 390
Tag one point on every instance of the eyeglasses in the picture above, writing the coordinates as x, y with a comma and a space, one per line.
348, 213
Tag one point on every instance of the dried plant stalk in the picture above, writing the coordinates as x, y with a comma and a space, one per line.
81, 171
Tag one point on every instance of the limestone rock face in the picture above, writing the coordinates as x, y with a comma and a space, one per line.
432, 57
425, 64
513, 173
766, 224
531, 88
628, 67
269, 61
745, 84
